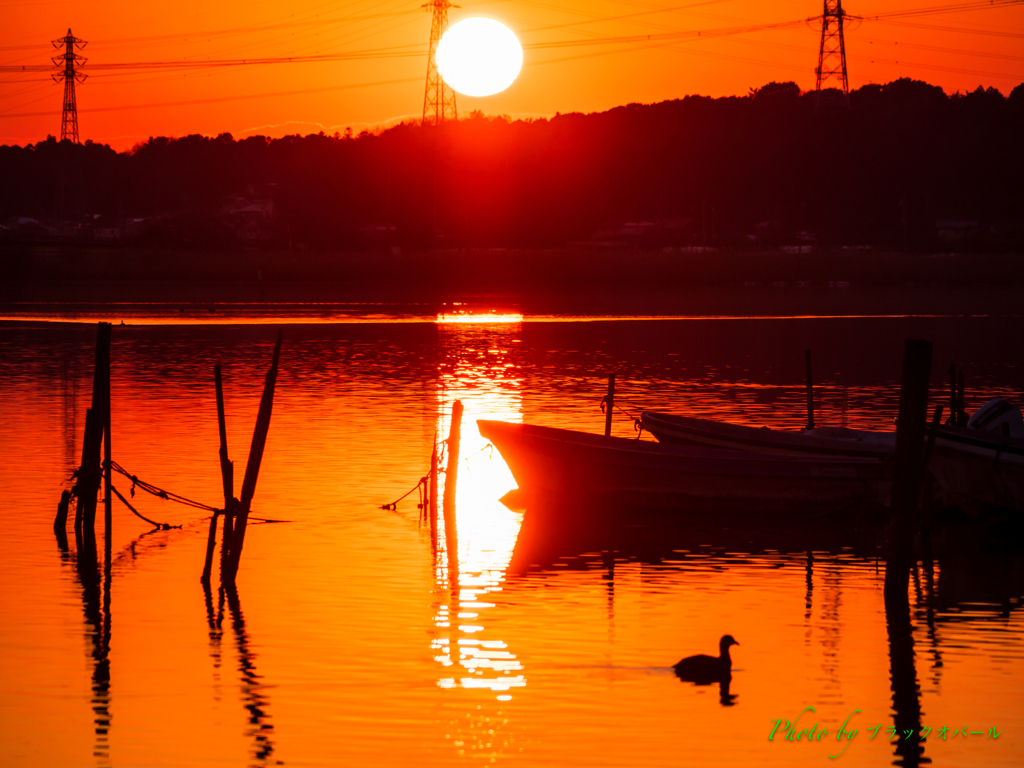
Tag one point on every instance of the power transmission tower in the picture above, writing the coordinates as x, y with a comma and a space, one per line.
439, 97
68, 63
832, 52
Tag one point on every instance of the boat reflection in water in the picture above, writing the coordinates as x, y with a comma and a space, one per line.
476, 371
965, 573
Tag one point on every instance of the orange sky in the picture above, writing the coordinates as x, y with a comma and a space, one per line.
958, 51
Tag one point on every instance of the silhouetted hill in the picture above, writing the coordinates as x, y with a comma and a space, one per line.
900, 165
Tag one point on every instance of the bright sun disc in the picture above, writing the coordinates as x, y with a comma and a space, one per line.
479, 57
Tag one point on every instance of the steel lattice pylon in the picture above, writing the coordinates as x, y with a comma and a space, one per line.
68, 63
832, 52
439, 97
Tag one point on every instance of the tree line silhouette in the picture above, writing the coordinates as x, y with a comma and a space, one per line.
885, 167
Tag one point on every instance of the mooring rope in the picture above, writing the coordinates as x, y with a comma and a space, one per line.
161, 526
160, 492
620, 409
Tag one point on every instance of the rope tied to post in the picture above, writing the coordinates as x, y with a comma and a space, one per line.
393, 506
617, 407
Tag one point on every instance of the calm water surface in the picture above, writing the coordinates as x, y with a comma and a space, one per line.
349, 642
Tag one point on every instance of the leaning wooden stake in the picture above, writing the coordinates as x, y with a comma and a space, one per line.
450, 484
227, 480
609, 403
907, 466
810, 391
961, 409
60, 523
252, 469
84, 480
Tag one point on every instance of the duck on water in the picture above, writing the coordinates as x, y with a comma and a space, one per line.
707, 669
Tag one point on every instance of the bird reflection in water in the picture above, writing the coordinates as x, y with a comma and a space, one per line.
704, 670
255, 701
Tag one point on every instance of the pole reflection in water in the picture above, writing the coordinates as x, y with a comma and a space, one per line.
255, 701
215, 625
475, 370
906, 693
96, 609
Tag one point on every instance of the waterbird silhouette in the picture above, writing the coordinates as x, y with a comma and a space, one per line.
707, 669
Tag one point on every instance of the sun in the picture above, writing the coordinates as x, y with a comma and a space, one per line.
479, 57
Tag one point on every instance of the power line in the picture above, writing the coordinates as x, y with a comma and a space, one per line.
229, 98
945, 49
415, 50
190, 36
398, 51
958, 30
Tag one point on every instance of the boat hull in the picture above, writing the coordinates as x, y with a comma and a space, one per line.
622, 473
970, 468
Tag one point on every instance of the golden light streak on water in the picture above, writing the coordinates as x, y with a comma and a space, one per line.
486, 529
480, 318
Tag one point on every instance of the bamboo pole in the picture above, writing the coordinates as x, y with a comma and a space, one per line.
609, 402
961, 409
83, 481
227, 467
226, 481
252, 469
810, 390
952, 394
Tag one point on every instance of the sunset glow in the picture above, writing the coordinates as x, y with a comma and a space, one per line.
431, 383
362, 66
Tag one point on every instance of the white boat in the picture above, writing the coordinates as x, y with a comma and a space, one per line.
972, 467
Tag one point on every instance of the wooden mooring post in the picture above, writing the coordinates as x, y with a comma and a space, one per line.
810, 390
108, 494
97, 425
252, 470
451, 480
609, 403
907, 467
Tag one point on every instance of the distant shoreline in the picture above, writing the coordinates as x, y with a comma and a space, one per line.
573, 280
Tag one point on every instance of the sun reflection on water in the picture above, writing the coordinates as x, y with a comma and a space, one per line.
475, 371
481, 318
